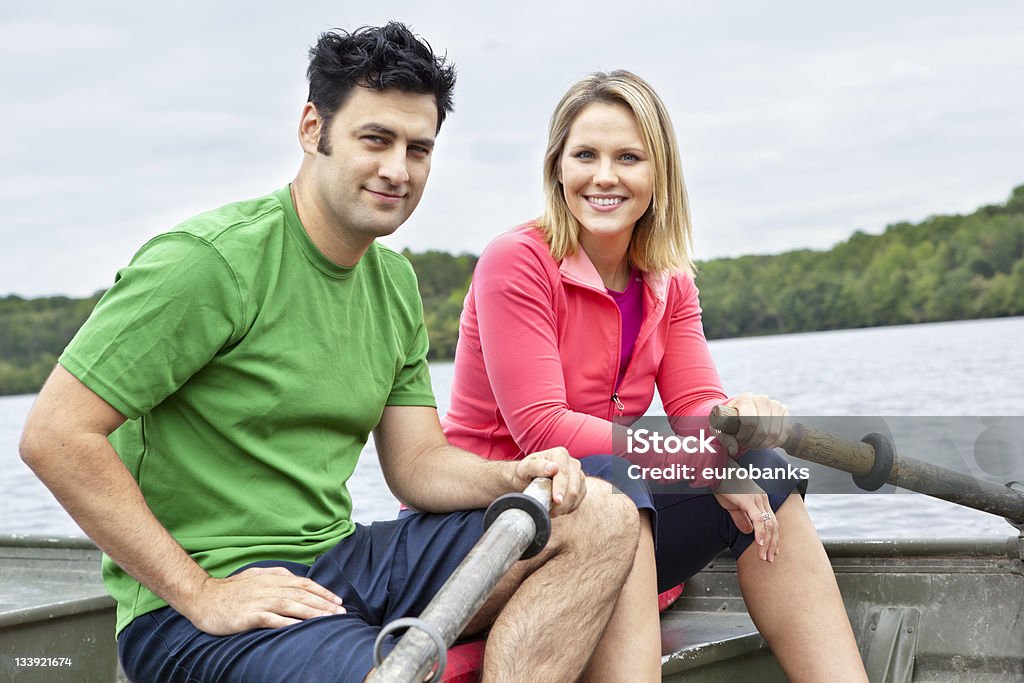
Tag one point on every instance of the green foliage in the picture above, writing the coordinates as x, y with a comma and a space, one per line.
32, 333
443, 280
943, 268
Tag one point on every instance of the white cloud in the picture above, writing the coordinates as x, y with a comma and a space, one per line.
799, 121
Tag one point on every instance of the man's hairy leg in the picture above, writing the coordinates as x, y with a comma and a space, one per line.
549, 613
635, 626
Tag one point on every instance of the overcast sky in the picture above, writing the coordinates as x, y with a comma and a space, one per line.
799, 121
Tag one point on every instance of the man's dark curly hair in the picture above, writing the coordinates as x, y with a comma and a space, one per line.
377, 57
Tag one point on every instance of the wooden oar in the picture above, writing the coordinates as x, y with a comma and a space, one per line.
518, 527
877, 463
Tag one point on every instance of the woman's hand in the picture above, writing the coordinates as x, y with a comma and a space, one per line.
748, 505
764, 423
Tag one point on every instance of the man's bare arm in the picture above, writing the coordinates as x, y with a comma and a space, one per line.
431, 475
65, 443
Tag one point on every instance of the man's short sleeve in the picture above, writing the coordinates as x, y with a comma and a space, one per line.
412, 384
168, 313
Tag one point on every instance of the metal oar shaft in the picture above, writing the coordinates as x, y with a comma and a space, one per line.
465, 591
858, 458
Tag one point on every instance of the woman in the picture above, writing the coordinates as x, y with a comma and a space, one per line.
571, 322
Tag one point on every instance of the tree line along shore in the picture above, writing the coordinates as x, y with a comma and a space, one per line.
949, 267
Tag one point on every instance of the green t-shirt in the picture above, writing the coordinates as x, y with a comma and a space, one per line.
251, 370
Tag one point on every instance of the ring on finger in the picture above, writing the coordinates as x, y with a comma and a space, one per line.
765, 516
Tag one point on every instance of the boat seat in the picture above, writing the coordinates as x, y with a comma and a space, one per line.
53, 604
37, 585
691, 640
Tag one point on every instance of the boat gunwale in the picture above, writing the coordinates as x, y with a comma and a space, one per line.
1011, 547
68, 542
1005, 546
53, 610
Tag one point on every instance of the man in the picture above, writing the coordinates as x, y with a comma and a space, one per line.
238, 365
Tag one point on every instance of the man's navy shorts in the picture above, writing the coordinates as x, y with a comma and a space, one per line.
382, 572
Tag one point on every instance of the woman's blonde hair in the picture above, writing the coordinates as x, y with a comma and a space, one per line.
662, 239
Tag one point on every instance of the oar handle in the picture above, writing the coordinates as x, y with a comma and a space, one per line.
808, 443
540, 490
858, 458
535, 501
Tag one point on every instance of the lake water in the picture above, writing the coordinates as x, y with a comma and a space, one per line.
970, 368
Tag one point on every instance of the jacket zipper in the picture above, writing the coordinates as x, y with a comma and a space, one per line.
616, 383
616, 401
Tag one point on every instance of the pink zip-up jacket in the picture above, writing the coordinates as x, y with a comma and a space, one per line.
538, 354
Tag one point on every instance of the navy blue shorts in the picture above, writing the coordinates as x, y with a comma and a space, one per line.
382, 572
